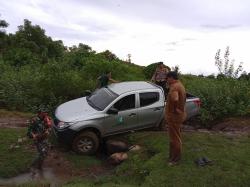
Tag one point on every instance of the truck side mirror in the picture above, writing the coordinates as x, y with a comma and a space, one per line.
112, 111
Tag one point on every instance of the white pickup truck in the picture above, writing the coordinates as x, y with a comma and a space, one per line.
118, 108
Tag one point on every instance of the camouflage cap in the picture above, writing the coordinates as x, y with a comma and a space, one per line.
42, 109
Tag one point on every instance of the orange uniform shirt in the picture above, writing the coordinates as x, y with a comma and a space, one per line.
176, 90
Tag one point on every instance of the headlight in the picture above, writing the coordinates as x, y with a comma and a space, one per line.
62, 124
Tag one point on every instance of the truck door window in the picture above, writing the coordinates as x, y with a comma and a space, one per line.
125, 103
148, 98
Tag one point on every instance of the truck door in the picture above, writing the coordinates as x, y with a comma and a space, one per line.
126, 118
151, 109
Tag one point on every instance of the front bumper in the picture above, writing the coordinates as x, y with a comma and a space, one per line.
65, 135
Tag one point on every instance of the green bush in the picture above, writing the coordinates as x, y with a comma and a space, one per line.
220, 97
149, 70
30, 86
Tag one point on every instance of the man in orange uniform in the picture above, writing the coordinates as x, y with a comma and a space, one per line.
175, 116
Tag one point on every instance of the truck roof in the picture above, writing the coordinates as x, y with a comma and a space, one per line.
123, 87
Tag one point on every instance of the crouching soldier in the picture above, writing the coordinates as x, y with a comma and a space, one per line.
39, 130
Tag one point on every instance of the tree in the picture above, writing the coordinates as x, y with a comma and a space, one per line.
244, 76
129, 59
212, 76
226, 66
77, 56
109, 55
149, 70
30, 45
176, 69
84, 48
3, 24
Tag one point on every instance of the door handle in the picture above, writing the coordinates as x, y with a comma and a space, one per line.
156, 109
132, 114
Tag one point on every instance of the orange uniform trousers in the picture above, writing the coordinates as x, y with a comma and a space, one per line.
174, 130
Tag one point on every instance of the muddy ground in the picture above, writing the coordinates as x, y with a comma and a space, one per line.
55, 161
57, 169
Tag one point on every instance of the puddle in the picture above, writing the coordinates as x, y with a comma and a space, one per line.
47, 175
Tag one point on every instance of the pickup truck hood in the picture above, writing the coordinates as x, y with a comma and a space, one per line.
75, 110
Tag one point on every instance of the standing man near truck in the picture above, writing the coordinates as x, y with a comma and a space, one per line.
104, 79
175, 116
160, 75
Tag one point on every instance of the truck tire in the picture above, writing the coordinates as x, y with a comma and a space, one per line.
86, 143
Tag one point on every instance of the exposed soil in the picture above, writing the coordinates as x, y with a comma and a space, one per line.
63, 169
13, 122
234, 125
240, 125
57, 169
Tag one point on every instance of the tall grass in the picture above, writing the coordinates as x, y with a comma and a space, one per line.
28, 87
220, 97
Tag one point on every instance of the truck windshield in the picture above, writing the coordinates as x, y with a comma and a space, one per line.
101, 98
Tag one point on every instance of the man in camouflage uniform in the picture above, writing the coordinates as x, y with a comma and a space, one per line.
39, 129
105, 79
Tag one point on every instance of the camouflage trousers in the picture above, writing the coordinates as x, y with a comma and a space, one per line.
42, 147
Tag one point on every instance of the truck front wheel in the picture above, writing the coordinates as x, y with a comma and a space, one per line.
86, 143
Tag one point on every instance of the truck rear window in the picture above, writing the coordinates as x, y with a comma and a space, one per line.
148, 98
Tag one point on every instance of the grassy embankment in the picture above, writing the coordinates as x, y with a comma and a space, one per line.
231, 166
13, 160
148, 167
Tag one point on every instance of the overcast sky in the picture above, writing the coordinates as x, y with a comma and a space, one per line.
178, 32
